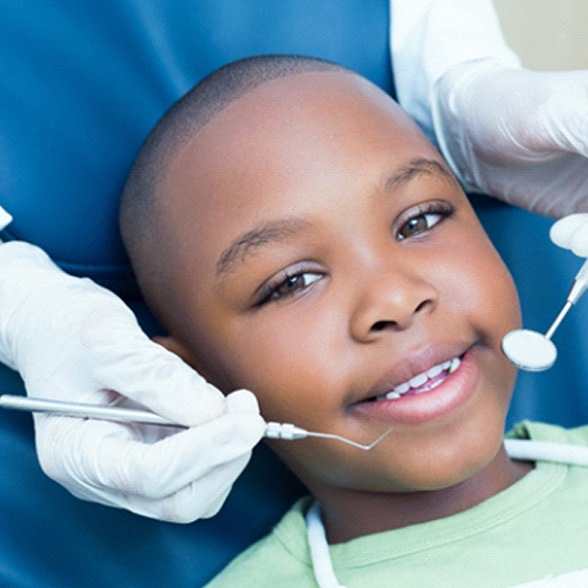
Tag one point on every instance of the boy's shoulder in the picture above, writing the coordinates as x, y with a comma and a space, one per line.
524, 514
279, 559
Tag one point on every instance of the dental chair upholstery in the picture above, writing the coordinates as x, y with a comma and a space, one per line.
81, 84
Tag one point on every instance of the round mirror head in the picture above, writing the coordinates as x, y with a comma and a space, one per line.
529, 350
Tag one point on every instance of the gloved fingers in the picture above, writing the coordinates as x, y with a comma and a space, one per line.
159, 380
517, 134
101, 347
564, 113
571, 232
77, 339
242, 401
165, 467
195, 501
105, 462
125, 360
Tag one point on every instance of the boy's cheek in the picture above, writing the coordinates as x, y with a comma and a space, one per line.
478, 279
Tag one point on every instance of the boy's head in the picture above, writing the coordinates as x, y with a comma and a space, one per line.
299, 236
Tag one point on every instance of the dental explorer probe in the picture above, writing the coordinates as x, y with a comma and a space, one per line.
532, 351
273, 430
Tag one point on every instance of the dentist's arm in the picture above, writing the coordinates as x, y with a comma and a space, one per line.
73, 340
518, 134
514, 133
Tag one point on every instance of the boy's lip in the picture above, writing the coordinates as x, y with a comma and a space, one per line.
451, 389
413, 364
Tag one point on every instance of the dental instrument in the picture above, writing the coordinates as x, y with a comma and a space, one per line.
534, 352
273, 430
290, 432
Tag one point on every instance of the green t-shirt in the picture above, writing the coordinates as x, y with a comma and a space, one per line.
537, 528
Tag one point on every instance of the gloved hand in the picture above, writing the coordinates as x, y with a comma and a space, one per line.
571, 232
75, 341
516, 134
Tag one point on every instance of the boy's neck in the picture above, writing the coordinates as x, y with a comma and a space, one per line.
351, 514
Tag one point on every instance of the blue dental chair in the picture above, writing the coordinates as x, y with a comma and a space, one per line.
81, 85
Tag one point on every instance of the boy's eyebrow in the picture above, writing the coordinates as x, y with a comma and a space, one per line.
270, 232
417, 167
276, 231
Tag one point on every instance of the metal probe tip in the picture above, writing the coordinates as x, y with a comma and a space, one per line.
290, 432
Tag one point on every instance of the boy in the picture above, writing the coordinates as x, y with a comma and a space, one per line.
298, 236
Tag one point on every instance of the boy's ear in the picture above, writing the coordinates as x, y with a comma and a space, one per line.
176, 347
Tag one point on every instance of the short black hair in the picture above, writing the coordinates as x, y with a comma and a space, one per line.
141, 222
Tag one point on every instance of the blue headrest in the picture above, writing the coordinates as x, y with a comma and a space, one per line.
82, 83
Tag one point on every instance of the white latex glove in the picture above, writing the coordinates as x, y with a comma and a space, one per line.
75, 341
517, 134
571, 232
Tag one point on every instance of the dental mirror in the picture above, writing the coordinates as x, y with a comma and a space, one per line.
534, 352
529, 350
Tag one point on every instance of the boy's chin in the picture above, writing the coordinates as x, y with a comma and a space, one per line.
433, 473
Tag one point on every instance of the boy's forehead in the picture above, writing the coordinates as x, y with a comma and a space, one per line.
301, 97
282, 135
291, 111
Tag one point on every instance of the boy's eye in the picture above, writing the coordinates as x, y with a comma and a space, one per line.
423, 220
287, 285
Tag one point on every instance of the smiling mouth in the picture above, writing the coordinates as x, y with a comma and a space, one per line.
423, 382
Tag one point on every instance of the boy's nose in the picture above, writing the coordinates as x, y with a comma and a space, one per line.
391, 301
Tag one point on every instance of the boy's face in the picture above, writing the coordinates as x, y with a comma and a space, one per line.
327, 259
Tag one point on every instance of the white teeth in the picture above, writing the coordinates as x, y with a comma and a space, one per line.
434, 371
420, 379
454, 365
393, 395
